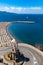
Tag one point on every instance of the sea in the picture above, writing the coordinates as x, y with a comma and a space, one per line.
30, 33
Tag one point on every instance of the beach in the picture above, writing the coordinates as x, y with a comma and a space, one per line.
33, 52
4, 26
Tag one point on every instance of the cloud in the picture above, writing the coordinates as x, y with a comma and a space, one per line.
26, 10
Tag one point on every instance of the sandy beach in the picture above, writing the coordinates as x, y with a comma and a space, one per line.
6, 38
4, 26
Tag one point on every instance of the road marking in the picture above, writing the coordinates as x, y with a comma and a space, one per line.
34, 59
35, 63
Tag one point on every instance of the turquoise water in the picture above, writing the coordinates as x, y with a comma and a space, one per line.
27, 33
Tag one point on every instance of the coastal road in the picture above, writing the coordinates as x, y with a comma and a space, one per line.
34, 57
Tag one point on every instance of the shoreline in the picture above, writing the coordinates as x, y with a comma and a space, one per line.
27, 45
5, 25
32, 47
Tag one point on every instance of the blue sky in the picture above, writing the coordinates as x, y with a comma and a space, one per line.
22, 6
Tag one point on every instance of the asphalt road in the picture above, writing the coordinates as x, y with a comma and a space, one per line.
34, 57
4, 51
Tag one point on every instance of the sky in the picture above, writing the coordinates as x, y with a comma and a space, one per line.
22, 6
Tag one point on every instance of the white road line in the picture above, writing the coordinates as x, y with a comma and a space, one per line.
34, 58
35, 63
